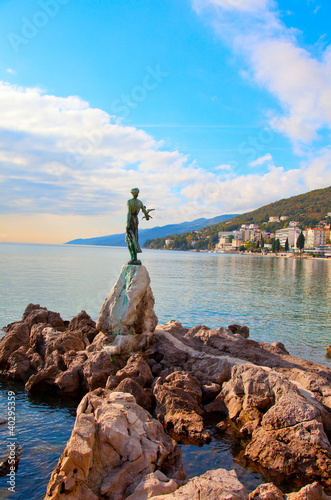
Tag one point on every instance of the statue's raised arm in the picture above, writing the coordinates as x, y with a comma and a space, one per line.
131, 238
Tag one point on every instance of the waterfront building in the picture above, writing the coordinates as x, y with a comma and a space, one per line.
315, 237
290, 233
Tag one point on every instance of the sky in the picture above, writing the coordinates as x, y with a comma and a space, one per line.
209, 107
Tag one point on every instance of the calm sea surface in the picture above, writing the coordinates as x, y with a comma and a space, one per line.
278, 299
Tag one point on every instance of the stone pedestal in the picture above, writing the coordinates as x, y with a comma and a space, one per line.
128, 309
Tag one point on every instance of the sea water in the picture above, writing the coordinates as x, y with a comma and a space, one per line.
279, 299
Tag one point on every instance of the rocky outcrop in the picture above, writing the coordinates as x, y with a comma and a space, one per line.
276, 407
129, 308
114, 445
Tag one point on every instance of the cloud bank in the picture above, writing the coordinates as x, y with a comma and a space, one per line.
59, 156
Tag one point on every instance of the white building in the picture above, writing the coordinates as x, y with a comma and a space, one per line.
294, 223
225, 234
284, 217
290, 233
274, 218
167, 242
315, 237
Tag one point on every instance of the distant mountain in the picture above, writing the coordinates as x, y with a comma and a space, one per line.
154, 232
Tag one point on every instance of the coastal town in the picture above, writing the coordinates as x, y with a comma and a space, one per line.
290, 238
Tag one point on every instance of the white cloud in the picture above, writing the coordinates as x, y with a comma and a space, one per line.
63, 159
261, 160
300, 82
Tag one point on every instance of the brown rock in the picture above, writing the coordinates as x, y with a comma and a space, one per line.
132, 387
178, 405
114, 445
96, 370
216, 484
44, 380
137, 369
85, 324
312, 491
241, 330
267, 491
302, 450
16, 337
19, 365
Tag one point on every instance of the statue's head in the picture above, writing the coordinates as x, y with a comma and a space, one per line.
135, 192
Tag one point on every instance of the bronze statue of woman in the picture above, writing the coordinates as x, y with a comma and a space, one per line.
131, 238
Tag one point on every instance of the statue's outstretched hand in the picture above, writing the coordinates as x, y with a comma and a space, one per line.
147, 216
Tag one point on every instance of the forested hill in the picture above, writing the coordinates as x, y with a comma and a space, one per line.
308, 209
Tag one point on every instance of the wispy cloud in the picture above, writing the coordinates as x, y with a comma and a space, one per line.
261, 160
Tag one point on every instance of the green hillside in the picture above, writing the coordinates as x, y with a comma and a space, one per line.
308, 209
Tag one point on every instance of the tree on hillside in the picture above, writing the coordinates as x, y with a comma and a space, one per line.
262, 242
301, 242
277, 245
287, 246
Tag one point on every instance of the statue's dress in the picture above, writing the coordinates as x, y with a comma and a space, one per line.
131, 238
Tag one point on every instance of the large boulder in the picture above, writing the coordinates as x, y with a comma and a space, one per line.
114, 445
128, 309
286, 429
219, 484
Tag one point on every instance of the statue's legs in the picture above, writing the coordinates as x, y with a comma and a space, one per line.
132, 249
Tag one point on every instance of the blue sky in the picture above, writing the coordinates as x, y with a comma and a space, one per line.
208, 106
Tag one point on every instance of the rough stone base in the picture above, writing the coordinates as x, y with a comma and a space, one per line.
128, 309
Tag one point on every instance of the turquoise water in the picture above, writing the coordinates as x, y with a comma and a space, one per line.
279, 299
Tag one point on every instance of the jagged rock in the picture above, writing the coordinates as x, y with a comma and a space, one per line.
19, 365
43, 380
241, 330
219, 484
97, 368
269, 491
142, 398
178, 406
114, 444
312, 491
128, 309
16, 337
137, 369
84, 323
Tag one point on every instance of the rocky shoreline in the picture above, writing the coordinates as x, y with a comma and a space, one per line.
146, 388
142, 399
